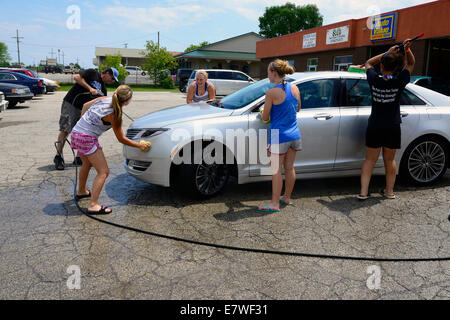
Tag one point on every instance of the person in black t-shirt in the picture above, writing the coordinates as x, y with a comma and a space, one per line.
88, 84
383, 129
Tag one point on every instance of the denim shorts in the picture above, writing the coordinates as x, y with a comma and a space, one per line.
282, 148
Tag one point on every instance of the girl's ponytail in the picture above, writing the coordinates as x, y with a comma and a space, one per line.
122, 94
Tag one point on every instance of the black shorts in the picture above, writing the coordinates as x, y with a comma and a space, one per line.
383, 137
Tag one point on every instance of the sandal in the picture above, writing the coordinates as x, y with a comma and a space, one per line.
386, 196
267, 209
79, 197
101, 211
360, 197
286, 203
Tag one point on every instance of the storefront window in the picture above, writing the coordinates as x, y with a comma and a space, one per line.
311, 64
342, 63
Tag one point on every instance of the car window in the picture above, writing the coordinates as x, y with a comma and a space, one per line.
317, 93
422, 82
357, 93
240, 76
224, 75
212, 75
7, 76
408, 98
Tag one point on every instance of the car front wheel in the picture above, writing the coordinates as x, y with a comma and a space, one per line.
425, 161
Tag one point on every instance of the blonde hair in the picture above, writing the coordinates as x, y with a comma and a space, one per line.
203, 72
123, 93
282, 67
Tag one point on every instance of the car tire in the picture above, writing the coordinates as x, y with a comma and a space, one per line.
12, 104
425, 161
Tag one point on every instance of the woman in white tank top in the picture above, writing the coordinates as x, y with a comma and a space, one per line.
201, 89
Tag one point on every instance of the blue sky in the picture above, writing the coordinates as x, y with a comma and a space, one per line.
43, 24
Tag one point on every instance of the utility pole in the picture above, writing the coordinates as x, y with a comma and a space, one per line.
63, 57
18, 47
158, 40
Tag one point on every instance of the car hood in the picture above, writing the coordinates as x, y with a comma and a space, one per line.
184, 113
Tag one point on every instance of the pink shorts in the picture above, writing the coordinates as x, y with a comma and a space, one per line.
85, 144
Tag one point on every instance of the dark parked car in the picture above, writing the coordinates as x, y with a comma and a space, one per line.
182, 78
435, 84
52, 69
15, 93
36, 86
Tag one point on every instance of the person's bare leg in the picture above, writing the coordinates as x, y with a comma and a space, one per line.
83, 176
60, 142
289, 174
390, 167
98, 161
276, 161
372, 155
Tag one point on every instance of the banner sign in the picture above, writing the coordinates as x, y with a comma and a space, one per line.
384, 27
309, 40
337, 35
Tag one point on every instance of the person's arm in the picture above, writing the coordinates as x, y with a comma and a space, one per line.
211, 92
267, 106
89, 104
296, 94
120, 135
82, 82
410, 60
377, 59
190, 94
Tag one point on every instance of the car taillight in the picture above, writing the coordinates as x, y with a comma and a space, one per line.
40, 83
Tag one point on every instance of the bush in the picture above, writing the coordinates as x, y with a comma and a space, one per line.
167, 83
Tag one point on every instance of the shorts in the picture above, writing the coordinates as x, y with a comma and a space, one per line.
282, 148
85, 144
69, 117
383, 137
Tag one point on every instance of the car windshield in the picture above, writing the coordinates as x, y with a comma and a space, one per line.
243, 97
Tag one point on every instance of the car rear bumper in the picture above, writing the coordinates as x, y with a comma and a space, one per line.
3, 105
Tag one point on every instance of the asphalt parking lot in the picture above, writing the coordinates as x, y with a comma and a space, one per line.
44, 238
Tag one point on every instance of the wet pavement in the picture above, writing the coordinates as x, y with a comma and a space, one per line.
43, 235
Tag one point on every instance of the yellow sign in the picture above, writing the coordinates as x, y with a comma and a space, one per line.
384, 27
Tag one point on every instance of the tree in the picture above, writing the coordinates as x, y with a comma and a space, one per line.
289, 18
112, 61
157, 60
5, 58
192, 47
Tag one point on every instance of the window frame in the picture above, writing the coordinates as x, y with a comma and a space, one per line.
335, 98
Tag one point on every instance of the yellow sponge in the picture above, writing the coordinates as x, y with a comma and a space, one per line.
265, 122
148, 143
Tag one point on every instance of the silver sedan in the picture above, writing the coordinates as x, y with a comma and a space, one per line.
197, 147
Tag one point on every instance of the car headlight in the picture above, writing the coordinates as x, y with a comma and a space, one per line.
18, 91
153, 132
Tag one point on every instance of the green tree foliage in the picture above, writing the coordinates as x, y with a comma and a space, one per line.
112, 61
157, 59
192, 47
289, 18
4, 55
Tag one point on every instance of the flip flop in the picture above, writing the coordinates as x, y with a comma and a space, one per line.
386, 196
286, 203
360, 197
268, 209
101, 211
79, 197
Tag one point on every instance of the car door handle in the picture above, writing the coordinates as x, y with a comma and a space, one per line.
323, 116
404, 114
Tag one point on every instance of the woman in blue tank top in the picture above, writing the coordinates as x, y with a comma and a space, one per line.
281, 106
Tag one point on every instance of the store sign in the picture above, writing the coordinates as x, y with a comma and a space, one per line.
384, 27
309, 40
337, 35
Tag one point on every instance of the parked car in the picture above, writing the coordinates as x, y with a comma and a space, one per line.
182, 77
3, 102
225, 81
51, 85
15, 93
52, 69
332, 121
435, 84
132, 71
36, 86
27, 72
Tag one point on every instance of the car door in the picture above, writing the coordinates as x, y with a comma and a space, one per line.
318, 121
356, 106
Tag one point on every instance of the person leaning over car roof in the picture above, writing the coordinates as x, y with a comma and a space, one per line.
88, 84
201, 89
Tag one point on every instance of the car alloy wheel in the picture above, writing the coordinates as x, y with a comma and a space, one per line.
211, 178
426, 161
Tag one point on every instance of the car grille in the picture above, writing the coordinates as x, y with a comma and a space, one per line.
131, 133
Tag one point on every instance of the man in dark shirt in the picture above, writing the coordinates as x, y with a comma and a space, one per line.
88, 84
383, 129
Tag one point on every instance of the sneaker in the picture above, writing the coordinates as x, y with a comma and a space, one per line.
59, 162
77, 161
